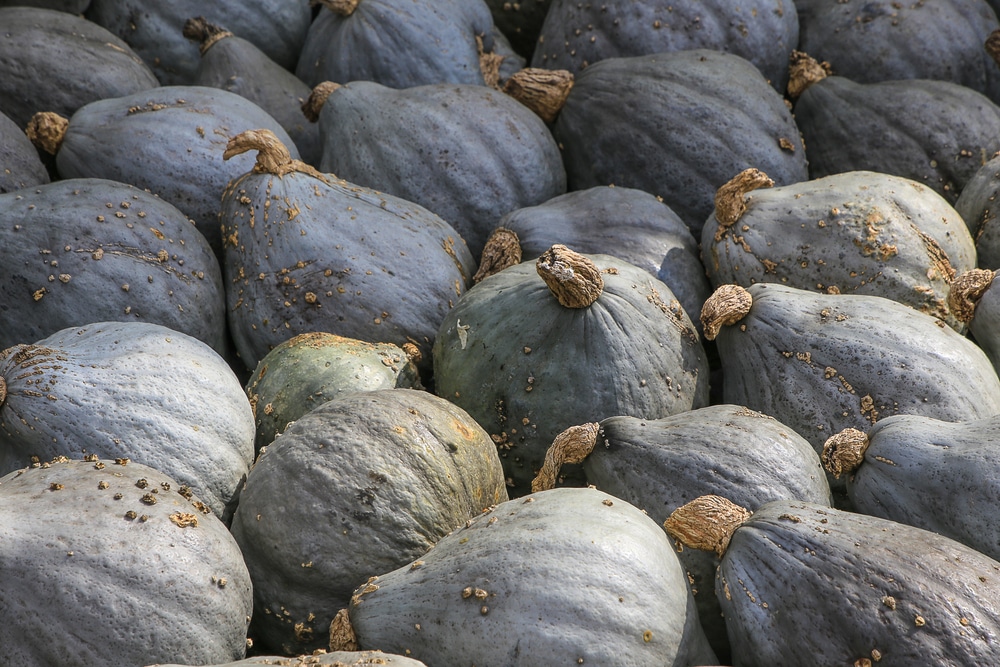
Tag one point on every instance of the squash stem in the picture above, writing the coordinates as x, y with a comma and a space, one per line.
571, 446
844, 452
502, 250
728, 305
572, 278
542, 90
707, 523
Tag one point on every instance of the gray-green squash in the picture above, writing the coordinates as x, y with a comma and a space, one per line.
20, 165
358, 486
660, 464
565, 576
114, 563
976, 204
330, 658
313, 368
856, 232
85, 250
821, 363
570, 338
805, 584
306, 251
977, 304
130, 390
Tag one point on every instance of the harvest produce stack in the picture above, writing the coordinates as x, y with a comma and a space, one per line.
473, 332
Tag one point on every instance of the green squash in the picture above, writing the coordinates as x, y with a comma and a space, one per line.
330, 659
130, 390
976, 205
360, 485
114, 563
20, 165
566, 576
851, 233
545, 345
313, 368
805, 584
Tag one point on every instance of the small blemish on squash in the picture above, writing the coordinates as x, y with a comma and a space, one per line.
647, 636
919, 621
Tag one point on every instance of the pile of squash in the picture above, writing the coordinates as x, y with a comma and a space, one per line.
478, 332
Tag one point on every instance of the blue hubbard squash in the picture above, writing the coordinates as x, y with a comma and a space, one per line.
976, 204
518, 347
20, 165
306, 251
330, 659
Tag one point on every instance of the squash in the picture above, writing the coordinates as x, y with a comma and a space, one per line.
853, 233
86, 250
169, 140
332, 659
821, 363
130, 390
520, 22
238, 65
56, 61
312, 368
155, 32
934, 132
566, 576
678, 125
397, 44
576, 35
329, 255
20, 165
468, 153
874, 41
886, 470
975, 302
110, 562
660, 464
516, 349
630, 224
805, 584
360, 485
976, 206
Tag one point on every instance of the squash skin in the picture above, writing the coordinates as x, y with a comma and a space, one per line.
85, 250
576, 35
877, 41
627, 223
935, 132
312, 368
530, 556
520, 22
164, 399
677, 125
516, 360
56, 61
169, 140
863, 587
854, 233
362, 484
379, 268
936, 475
807, 358
398, 44
20, 165
134, 586
468, 153
331, 658
975, 205
155, 32
728, 450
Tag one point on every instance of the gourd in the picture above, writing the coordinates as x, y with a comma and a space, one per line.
575, 35
466, 152
520, 22
821, 363
56, 61
510, 584
886, 470
329, 255
20, 166
238, 65
874, 41
86, 250
975, 205
660, 464
975, 303
130, 390
630, 224
312, 368
169, 140
935, 132
110, 562
155, 32
360, 485
678, 125
333, 659
398, 44
518, 347
801, 583
856, 232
